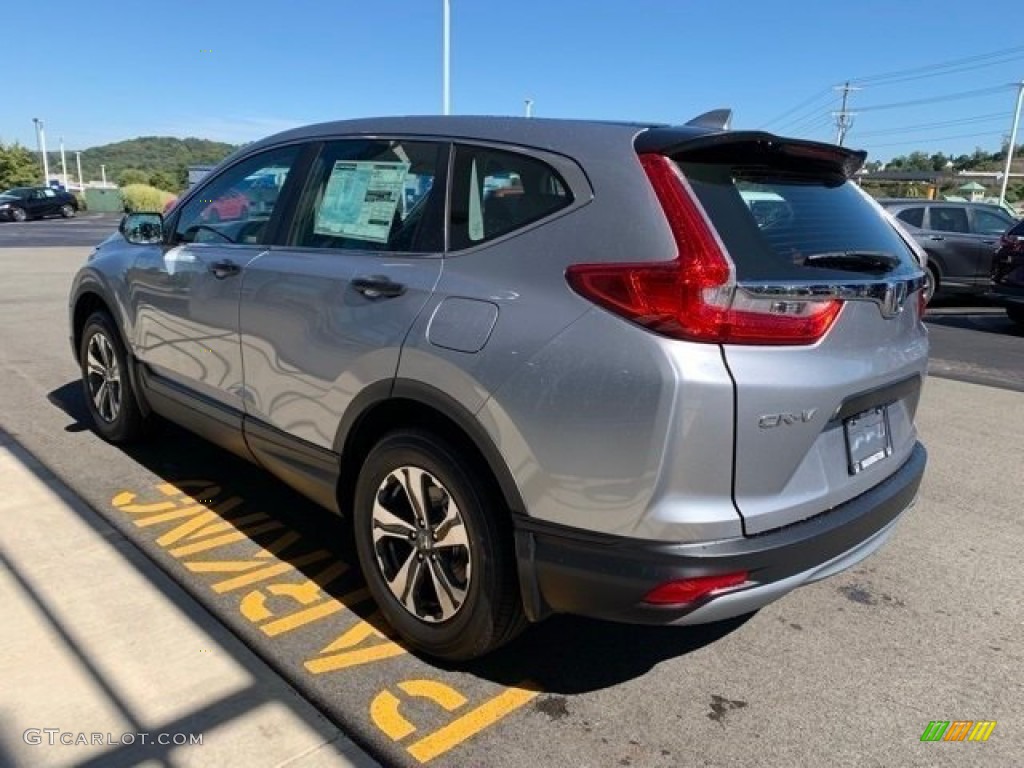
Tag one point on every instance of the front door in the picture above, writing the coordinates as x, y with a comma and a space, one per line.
325, 316
987, 226
185, 294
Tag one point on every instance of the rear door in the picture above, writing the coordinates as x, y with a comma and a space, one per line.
324, 316
949, 240
816, 423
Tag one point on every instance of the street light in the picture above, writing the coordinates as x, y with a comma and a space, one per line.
446, 35
529, 107
81, 179
41, 146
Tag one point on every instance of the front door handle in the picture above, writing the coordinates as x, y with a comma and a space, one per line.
936, 237
224, 268
989, 242
377, 287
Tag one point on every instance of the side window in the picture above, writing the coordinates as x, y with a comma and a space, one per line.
988, 223
49, 193
952, 219
370, 195
495, 192
912, 216
236, 206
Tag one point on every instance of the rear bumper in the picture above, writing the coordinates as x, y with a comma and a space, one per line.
566, 570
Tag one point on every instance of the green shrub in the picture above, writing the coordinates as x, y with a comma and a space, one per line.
144, 198
80, 197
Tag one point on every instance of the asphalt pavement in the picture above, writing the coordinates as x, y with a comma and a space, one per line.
85, 229
849, 671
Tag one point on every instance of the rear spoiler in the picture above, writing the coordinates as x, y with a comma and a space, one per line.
749, 147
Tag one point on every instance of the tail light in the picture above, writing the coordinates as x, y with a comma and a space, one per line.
683, 591
694, 296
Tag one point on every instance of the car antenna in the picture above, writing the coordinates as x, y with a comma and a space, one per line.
720, 119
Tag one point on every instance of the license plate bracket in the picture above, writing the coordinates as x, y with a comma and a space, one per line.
868, 438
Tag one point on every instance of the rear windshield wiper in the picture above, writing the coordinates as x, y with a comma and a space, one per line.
855, 261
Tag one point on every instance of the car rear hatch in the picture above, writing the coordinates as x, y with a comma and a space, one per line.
812, 294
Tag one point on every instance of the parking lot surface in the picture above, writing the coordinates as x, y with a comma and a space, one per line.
849, 671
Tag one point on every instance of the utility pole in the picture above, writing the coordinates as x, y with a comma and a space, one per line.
103, 175
81, 179
447, 96
844, 118
529, 107
1013, 140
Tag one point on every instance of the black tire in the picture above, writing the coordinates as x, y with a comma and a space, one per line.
67, 210
491, 613
932, 282
1016, 314
126, 423
18, 214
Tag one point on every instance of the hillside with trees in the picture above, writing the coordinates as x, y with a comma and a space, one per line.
160, 161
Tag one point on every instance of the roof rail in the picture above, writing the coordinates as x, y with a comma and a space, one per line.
720, 119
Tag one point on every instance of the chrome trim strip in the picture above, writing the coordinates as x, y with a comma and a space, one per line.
890, 295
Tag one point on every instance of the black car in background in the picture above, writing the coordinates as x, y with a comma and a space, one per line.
960, 239
1008, 274
21, 203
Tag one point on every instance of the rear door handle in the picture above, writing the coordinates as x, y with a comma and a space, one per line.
377, 286
936, 237
224, 268
989, 242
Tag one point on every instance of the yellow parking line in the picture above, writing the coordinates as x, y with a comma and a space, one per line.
457, 731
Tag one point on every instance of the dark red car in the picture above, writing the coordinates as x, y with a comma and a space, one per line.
1008, 274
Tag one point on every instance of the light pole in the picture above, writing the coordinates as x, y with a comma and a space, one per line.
529, 107
446, 77
103, 175
81, 179
1013, 139
63, 165
41, 146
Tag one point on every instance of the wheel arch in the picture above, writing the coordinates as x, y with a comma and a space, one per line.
387, 406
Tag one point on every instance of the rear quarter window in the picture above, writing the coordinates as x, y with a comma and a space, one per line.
771, 220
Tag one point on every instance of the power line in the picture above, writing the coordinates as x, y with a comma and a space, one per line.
940, 65
935, 99
812, 117
944, 72
816, 97
933, 139
931, 126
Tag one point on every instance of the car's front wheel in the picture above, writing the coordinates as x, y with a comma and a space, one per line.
67, 210
435, 546
18, 214
109, 395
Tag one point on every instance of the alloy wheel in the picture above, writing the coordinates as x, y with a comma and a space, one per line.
421, 544
103, 378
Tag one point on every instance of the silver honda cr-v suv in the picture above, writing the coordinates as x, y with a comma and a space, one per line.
658, 374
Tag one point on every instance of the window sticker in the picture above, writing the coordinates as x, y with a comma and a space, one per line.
361, 199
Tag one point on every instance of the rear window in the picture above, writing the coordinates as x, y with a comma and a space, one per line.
912, 216
784, 225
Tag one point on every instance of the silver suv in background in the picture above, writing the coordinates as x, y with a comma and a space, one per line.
960, 240
658, 374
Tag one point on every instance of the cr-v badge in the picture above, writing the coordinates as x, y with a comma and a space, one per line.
770, 420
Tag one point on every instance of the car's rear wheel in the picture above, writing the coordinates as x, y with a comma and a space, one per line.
931, 282
109, 395
435, 546
67, 210
18, 214
1016, 314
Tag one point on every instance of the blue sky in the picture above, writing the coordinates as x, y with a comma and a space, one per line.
100, 71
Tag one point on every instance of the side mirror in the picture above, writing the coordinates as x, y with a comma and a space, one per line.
142, 228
